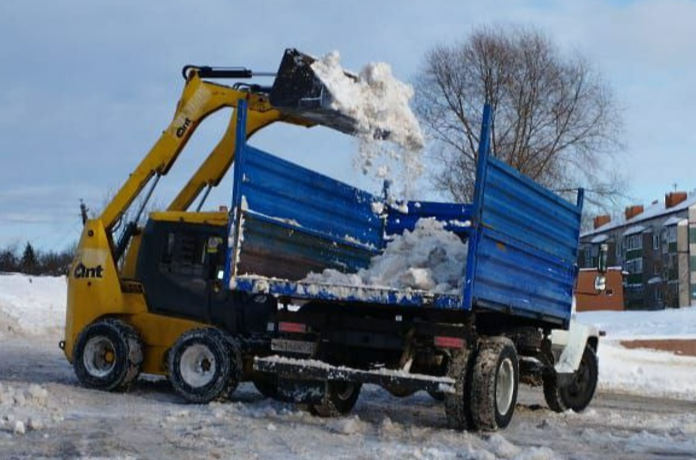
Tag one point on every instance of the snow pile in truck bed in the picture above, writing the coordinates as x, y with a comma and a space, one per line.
429, 258
379, 103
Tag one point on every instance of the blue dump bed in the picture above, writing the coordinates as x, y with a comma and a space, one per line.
287, 221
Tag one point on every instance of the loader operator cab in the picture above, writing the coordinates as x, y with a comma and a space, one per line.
179, 264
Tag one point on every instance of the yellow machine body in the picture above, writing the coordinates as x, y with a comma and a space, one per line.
99, 285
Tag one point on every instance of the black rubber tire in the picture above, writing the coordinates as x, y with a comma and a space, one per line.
205, 365
339, 399
577, 395
551, 393
437, 395
268, 387
108, 355
457, 410
399, 392
494, 384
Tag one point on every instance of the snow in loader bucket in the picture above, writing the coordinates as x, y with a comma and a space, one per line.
288, 221
297, 90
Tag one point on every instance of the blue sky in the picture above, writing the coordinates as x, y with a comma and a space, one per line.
86, 87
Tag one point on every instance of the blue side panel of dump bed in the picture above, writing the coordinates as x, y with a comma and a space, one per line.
288, 221
456, 216
522, 255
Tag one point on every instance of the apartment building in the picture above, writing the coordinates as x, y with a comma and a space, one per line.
654, 246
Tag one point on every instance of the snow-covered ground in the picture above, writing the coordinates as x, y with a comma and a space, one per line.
640, 371
44, 413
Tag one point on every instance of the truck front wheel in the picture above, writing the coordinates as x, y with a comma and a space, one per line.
578, 394
205, 365
494, 384
339, 399
108, 355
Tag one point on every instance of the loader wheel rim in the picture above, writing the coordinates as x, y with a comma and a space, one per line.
99, 356
198, 366
504, 386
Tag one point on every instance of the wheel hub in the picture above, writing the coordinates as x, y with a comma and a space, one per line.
197, 365
504, 386
99, 356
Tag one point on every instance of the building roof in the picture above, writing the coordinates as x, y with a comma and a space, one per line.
674, 220
656, 210
633, 230
600, 239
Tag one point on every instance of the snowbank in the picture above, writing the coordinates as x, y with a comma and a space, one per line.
647, 372
429, 258
660, 324
32, 305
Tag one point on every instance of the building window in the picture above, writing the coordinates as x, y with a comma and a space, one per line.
633, 242
634, 266
619, 248
656, 242
657, 294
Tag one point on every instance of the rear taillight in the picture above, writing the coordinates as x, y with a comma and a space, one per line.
292, 327
449, 342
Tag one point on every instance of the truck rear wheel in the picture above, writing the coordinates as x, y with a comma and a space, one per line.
457, 404
108, 355
494, 384
205, 365
339, 399
578, 394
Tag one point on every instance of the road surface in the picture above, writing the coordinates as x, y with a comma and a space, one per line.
44, 414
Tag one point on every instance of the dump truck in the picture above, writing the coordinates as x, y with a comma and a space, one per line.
511, 321
208, 299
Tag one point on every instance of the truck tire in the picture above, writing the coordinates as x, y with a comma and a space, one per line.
205, 365
339, 399
437, 395
494, 384
457, 407
577, 395
399, 391
108, 355
268, 387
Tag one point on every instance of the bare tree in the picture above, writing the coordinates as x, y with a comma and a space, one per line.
555, 118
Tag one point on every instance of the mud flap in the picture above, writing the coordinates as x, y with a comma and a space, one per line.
573, 341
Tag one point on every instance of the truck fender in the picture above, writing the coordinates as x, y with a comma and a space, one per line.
573, 343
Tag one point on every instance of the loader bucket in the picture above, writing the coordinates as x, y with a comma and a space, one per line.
298, 91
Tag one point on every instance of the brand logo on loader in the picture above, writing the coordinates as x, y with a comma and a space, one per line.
181, 130
82, 271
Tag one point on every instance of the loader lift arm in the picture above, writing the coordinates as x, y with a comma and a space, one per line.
200, 98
